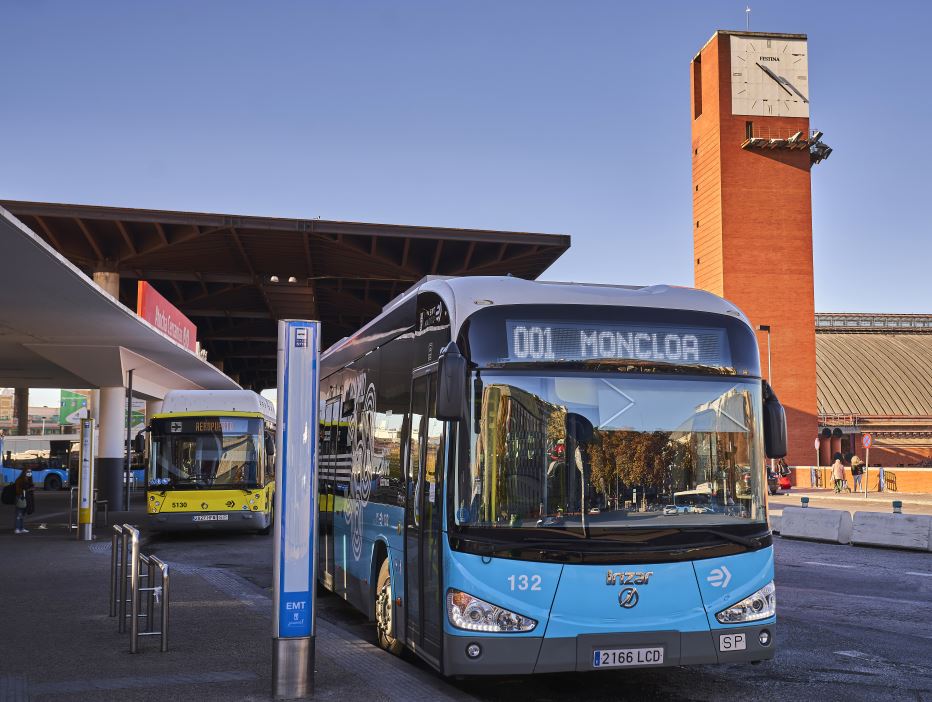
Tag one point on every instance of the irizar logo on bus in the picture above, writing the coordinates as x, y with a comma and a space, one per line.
627, 578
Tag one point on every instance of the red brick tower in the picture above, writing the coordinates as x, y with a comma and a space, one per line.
752, 206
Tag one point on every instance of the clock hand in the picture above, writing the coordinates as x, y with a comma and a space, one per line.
774, 76
793, 88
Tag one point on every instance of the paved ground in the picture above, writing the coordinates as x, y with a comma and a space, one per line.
853, 625
57, 641
853, 502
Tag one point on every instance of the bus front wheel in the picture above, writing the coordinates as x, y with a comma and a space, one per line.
383, 612
52, 482
268, 529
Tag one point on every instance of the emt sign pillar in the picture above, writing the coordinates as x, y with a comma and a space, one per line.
86, 482
295, 566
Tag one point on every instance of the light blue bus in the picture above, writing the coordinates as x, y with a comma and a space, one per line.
498, 458
47, 455
53, 459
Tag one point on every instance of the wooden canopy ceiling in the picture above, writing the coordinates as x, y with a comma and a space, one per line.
218, 269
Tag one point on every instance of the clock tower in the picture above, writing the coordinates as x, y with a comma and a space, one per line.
752, 206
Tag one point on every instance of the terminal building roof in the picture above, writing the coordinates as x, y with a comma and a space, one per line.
236, 275
876, 366
59, 330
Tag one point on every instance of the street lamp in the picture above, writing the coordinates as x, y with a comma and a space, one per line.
766, 328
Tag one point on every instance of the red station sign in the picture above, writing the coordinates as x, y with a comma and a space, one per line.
165, 317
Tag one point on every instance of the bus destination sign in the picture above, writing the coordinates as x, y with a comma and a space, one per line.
213, 425
573, 341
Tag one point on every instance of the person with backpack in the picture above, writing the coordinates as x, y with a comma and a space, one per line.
857, 472
24, 500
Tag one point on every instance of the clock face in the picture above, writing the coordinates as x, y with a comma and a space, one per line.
769, 77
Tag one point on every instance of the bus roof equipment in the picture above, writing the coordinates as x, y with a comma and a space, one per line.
219, 401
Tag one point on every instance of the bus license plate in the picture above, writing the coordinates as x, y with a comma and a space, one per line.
732, 642
211, 517
621, 657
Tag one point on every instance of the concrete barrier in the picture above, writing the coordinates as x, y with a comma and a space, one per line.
832, 525
776, 522
911, 531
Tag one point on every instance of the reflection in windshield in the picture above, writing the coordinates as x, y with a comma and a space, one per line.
577, 452
206, 460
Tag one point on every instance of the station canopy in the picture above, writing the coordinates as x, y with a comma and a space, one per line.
234, 276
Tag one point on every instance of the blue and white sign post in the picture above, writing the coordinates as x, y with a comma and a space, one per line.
295, 509
86, 481
867, 441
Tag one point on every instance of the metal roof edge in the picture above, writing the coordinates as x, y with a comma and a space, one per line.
132, 214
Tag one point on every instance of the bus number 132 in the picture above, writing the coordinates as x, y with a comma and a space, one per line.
523, 582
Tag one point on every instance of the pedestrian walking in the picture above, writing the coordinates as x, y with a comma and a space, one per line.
838, 473
24, 500
857, 472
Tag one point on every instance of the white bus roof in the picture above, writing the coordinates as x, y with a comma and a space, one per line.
466, 295
214, 401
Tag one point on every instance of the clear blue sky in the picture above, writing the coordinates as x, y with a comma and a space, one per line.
569, 117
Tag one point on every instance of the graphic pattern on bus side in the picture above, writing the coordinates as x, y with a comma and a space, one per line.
362, 472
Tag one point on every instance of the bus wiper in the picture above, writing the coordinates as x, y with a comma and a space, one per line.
748, 541
503, 545
621, 364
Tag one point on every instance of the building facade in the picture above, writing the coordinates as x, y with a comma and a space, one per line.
874, 377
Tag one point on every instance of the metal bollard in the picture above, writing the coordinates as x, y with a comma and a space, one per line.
804, 501
134, 587
116, 567
124, 576
164, 609
126, 566
72, 522
897, 507
150, 580
160, 594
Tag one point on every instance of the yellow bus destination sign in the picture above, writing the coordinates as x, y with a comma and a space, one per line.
213, 425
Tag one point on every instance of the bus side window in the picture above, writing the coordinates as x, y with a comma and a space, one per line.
269, 456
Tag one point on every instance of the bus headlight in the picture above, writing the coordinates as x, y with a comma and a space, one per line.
471, 613
761, 605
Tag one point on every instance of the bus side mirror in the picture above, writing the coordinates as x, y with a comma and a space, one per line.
451, 384
139, 443
269, 445
774, 424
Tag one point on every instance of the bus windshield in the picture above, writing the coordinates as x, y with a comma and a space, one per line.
598, 454
206, 452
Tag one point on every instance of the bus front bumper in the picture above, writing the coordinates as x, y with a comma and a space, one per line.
503, 655
214, 521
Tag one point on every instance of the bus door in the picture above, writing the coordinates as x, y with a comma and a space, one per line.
330, 431
423, 519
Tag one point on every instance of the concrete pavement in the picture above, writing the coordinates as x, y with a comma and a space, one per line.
913, 503
57, 641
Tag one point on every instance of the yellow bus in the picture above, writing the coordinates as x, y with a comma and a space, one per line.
211, 462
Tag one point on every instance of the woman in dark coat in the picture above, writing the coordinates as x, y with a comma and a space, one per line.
24, 500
